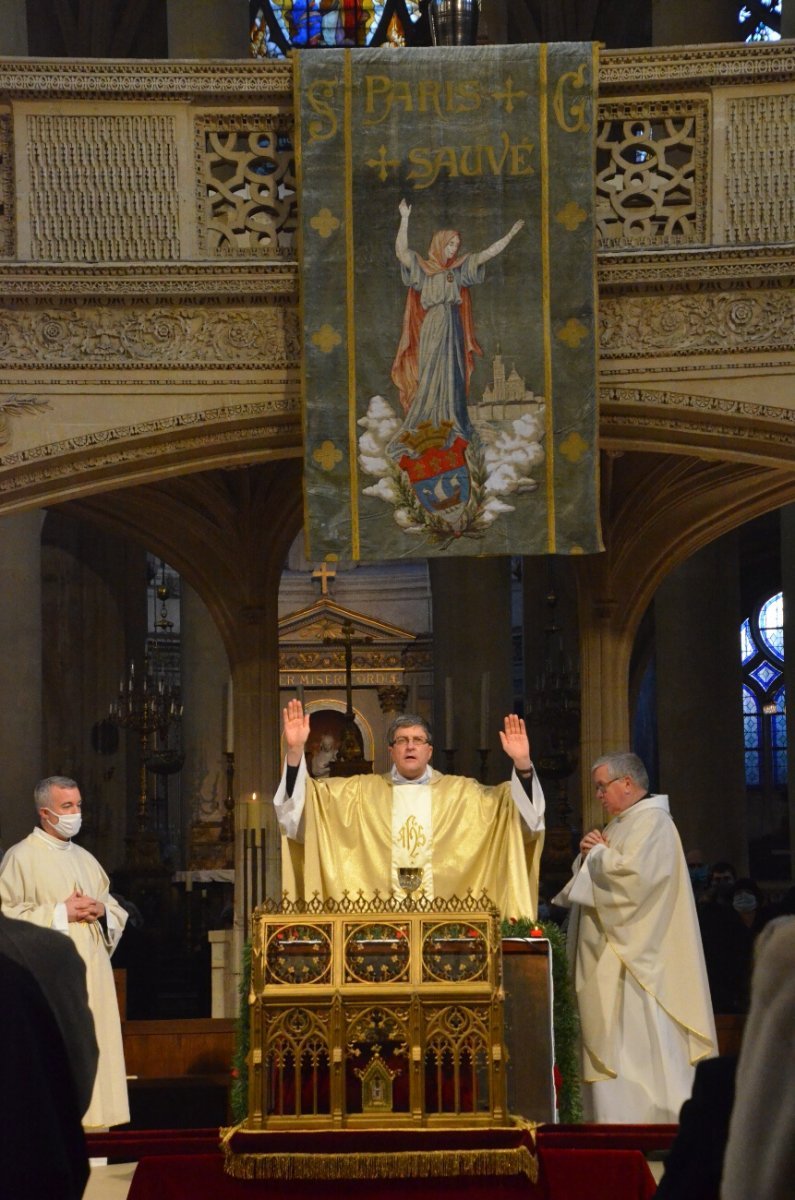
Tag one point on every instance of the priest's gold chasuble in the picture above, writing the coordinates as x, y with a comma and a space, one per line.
358, 832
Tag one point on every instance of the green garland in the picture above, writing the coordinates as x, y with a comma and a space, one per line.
238, 1099
564, 1020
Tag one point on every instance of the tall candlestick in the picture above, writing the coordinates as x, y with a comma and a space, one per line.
484, 709
448, 713
230, 717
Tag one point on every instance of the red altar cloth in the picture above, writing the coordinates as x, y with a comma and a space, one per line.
564, 1175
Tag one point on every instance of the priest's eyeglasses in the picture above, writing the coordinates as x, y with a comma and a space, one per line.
402, 740
601, 788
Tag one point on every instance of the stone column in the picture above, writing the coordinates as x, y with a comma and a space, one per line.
20, 671
788, 587
699, 701
605, 648
472, 649
205, 678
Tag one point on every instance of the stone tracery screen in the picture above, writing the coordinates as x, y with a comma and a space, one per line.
103, 187
651, 172
245, 166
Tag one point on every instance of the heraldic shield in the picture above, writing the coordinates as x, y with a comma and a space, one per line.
437, 468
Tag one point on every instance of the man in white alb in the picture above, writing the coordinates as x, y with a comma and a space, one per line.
638, 965
51, 881
354, 834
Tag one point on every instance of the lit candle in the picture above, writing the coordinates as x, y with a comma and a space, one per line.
448, 713
254, 821
484, 710
230, 717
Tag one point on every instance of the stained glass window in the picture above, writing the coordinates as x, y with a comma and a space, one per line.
760, 20
764, 697
277, 26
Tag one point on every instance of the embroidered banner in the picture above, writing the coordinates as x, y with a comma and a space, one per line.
448, 300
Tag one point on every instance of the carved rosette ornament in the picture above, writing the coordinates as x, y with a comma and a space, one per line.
393, 699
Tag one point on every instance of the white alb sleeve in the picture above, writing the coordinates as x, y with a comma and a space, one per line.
290, 809
531, 811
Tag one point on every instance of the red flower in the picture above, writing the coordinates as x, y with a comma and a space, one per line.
472, 933
235, 1073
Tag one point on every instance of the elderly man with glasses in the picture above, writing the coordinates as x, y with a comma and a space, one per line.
359, 833
638, 965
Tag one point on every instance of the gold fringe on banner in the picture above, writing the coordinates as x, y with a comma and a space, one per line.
403, 1164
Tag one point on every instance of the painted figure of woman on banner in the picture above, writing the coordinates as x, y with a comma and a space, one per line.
444, 464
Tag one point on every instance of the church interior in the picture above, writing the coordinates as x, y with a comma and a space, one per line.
151, 502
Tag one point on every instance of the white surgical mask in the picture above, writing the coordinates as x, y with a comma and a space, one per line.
67, 824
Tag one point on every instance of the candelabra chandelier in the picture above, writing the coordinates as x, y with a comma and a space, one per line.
149, 705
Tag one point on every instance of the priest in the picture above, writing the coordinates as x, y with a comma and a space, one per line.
638, 965
355, 834
51, 881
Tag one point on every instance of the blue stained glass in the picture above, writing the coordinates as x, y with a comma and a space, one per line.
765, 675
779, 768
765, 745
771, 625
761, 31
751, 731
752, 768
327, 23
747, 648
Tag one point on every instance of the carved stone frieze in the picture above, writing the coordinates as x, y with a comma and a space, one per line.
6, 187
129, 444
648, 397
701, 66
619, 71
276, 282
698, 420
696, 323
90, 79
92, 336
711, 267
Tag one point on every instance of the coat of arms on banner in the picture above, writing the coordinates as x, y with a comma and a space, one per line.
449, 327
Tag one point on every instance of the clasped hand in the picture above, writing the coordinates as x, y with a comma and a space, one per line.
84, 908
594, 838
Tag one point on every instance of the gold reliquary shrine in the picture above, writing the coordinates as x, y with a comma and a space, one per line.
379, 1013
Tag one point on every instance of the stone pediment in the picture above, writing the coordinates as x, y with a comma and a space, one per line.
312, 648
326, 621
